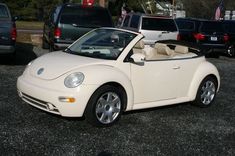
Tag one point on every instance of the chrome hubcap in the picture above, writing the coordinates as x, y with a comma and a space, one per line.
108, 107
208, 92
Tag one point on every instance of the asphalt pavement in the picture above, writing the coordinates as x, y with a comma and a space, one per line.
173, 130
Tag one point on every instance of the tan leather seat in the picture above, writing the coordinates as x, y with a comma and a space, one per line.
183, 52
163, 49
181, 49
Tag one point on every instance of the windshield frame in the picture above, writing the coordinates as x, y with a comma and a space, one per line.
100, 49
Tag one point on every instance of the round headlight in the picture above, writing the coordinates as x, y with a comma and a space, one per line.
74, 80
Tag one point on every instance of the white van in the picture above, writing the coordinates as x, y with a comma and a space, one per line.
153, 27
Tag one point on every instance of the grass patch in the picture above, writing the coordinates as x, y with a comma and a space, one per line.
23, 37
34, 25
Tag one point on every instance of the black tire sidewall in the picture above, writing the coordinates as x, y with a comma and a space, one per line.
45, 44
90, 111
232, 54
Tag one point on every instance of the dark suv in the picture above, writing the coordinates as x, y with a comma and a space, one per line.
68, 22
7, 31
188, 27
229, 27
211, 35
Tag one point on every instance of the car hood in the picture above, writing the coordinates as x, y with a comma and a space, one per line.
53, 65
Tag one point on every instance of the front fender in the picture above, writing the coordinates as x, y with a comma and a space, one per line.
205, 69
102, 74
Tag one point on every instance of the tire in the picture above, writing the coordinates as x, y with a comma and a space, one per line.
105, 106
231, 51
206, 92
45, 44
51, 47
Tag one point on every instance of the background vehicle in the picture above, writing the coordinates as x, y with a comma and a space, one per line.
211, 35
68, 22
154, 28
229, 27
7, 31
188, 27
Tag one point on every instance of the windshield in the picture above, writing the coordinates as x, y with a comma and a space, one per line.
102, 43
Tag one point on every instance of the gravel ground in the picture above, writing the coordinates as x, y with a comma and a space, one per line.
175, 130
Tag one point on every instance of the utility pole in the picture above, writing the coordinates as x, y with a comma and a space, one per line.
173, 8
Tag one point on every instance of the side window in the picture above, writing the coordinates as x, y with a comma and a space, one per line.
126, 21
54, 14
135, 21
3, 12
185, 25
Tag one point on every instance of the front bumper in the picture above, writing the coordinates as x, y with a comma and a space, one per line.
47, 99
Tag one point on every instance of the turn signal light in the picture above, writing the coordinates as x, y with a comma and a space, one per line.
57, 33
67, 99
178, 37
13, 33
226, 38
199, 36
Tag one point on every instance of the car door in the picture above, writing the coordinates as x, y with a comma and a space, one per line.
155, 80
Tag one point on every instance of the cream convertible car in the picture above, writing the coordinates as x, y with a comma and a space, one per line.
110, 70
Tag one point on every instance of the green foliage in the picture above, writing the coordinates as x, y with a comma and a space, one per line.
39, 9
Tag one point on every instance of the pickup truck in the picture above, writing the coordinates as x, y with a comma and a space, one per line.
7, 31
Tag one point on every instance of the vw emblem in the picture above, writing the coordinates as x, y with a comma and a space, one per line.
40, 71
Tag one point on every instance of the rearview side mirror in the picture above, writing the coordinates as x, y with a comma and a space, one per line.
138, 58
15, 18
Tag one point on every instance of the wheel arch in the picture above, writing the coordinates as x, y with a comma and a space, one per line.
204, 70
110, 76
119, 86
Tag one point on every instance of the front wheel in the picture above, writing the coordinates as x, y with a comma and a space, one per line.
105, 106
206, 92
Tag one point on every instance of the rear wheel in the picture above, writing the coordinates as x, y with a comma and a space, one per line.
231, 51
51, 47
105, 106
45, 44
206, 92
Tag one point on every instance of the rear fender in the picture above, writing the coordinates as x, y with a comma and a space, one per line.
204, 70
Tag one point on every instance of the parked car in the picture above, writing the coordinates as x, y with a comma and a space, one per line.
229, 27
68, 22
153, 27
109, 70
188, 27
7, 31
211, 35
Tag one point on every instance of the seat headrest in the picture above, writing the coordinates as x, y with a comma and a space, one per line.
163, 49
181, 49
139, 45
